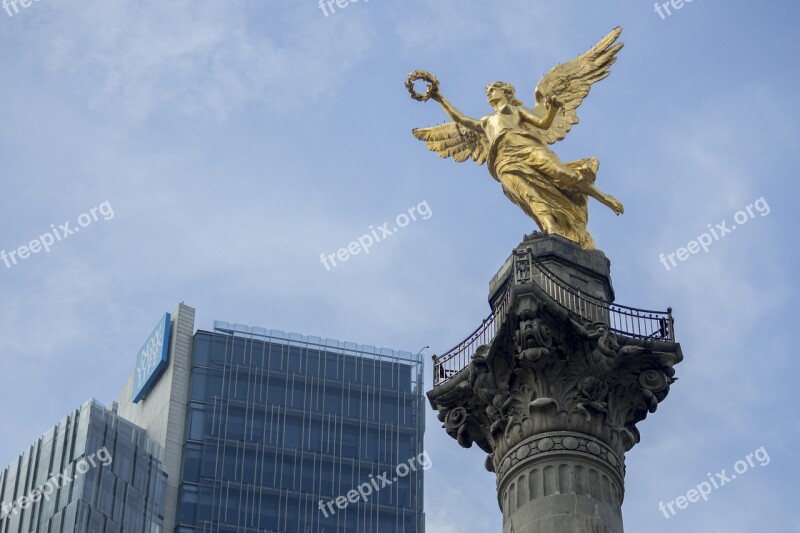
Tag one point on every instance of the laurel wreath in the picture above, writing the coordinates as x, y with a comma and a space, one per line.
424, 75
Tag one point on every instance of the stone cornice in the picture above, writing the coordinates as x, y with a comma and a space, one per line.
547, 370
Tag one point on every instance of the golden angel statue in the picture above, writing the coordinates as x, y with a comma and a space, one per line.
513, 142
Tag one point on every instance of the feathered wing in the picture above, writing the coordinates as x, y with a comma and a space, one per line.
452, 140
570, 83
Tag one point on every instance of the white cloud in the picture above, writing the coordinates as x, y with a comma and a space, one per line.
192, 57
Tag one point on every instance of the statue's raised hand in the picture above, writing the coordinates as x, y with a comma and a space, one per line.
433, 86
553, 102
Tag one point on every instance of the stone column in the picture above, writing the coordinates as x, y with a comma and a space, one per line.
554, 399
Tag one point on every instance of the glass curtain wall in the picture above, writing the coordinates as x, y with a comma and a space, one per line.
281, 424
93, 472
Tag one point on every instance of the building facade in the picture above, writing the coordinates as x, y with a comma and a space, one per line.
234, 430
279, 425
268, 432
93, 472
162, 410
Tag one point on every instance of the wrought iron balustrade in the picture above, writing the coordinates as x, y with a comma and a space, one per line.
621, 319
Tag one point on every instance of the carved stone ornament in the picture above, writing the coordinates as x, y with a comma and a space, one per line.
547, 371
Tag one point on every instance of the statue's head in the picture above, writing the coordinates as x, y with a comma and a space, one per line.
498, 90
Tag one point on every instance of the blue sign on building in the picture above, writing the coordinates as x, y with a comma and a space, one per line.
152, 359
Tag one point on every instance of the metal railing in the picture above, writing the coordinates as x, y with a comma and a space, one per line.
628, 321
447, 365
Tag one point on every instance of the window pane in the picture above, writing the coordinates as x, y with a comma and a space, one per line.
191, 462
188, 504
202, 350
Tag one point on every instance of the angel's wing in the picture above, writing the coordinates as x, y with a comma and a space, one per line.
452, 140
570, 82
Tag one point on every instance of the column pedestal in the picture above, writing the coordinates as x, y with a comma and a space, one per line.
555, 396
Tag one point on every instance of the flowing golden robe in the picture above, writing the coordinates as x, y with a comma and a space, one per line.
549, 191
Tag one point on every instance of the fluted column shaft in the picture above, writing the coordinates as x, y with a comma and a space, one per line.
561, 481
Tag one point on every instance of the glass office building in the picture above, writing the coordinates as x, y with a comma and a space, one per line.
93, 472
240, 430
280, 424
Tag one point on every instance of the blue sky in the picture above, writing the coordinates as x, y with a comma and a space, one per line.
238, 141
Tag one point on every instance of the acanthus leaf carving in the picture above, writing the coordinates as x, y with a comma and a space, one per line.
544, 373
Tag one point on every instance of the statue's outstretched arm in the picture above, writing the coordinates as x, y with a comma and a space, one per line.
457, 116
546, 122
